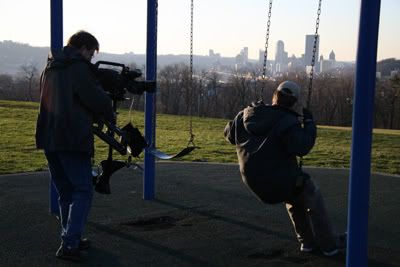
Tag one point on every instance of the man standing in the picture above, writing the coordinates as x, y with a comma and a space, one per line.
71, 99
268, 139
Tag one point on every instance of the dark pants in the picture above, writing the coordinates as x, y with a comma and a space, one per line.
310, 218
71, 174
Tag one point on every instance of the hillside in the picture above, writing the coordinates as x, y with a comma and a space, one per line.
387, 65
13, 55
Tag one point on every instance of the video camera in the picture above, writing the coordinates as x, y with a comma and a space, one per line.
117, 78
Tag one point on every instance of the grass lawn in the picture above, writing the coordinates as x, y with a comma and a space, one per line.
18, 152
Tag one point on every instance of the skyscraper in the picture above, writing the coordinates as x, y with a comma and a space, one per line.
281, 57
309, 50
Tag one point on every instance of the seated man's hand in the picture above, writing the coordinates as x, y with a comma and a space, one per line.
307, 115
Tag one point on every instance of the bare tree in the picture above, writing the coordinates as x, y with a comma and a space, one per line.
6, 86
172, 80
387, 100
331, 102
29, 76
209, 94
394, 103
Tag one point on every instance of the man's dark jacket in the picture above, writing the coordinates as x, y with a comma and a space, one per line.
268, 139
70, 99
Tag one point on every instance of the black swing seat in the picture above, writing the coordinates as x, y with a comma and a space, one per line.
161, 155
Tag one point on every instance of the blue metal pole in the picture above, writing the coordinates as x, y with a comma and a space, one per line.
357, 247
56, 26
150, 100
56, 43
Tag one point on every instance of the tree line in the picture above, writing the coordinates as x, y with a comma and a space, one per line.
222, 95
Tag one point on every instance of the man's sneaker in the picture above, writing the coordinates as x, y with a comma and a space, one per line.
306, 248
70, 254
84, 244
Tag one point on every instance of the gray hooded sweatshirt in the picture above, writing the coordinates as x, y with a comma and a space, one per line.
268, 139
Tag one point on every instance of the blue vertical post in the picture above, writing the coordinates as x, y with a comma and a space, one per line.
150, 100
56, 43
357, 248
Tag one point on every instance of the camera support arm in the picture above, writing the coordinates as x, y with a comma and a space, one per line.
108, 138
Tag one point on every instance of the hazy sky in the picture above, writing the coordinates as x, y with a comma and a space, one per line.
226, 26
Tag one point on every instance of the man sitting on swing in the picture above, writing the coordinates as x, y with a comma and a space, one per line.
268, 138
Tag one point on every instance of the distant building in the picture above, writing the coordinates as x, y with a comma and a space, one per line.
281, 57
215, 56
332, 56
243, 57
328, 65
295, 64
245, 54
308, 53
261, 56
215, 59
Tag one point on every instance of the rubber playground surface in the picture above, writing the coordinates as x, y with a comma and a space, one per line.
202, 215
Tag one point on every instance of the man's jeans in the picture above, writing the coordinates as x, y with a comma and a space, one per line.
310, 218
71, 174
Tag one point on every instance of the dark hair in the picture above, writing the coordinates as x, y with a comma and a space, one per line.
282, 99
83, 39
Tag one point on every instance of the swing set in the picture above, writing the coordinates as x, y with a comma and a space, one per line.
138, 143
131, 141
357, 249
190, 144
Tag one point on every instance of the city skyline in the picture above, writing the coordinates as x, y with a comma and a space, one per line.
224, 26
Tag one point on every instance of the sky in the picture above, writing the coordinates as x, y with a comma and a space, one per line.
226, 26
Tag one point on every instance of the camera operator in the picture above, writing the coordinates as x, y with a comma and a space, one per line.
71, 97
268, 138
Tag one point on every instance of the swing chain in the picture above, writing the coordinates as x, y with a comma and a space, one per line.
313, 55
312, 68
191, 139
191, 40
266, 48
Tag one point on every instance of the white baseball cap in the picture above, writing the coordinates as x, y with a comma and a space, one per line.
289, 88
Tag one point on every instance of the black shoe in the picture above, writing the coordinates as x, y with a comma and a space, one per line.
70, 254
84, 244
